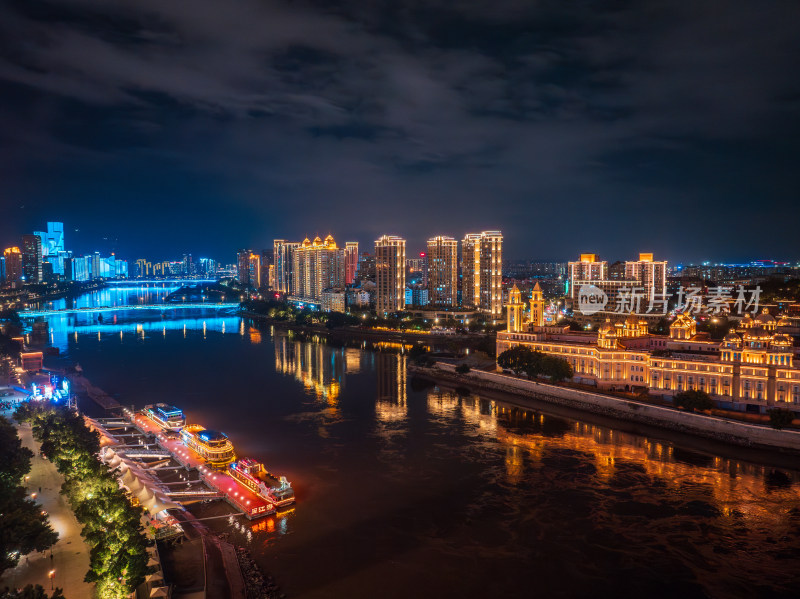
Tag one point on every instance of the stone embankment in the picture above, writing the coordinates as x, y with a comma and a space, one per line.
258, 585
700, 425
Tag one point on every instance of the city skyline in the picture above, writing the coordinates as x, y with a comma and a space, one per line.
540, 120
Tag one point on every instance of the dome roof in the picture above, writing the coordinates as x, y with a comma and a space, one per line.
757, 332
765, 317
732, 336
781, 339
607, 328
783, 321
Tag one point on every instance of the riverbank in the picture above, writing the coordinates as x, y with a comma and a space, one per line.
347, 332
708, 427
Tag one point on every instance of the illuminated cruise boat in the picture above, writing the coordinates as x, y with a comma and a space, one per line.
169, 418
213, 447
255, 477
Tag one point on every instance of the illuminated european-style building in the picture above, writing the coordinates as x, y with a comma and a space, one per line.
390, 274
317, 265
750, 370
443, 271
482, 272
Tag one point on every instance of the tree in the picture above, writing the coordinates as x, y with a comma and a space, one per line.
518, 359
31, 592
23, 526
117, 557
694, 400
463, 368
558, 369
780, 418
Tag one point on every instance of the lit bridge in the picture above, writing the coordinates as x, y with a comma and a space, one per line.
137, 282
161, 307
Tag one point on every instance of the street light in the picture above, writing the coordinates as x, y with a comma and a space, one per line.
52, 576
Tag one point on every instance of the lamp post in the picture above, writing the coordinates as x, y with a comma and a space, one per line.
52, 576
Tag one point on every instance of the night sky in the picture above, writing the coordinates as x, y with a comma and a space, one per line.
158, 127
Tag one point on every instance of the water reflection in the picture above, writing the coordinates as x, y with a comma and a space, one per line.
132, 295
318, 367
60, 327
391, 397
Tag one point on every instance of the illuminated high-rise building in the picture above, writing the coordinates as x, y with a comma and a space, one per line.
283, 260
390, 274
52, 239
254, 270
648, 273
482, 270
366, 267
443, 271
317, 265
350, 261
32, 258
588, 270
243, 266
14, 271
143, 268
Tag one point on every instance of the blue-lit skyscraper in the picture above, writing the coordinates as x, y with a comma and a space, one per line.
52, 239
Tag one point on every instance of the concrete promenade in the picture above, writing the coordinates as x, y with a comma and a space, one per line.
70, 555
700, 425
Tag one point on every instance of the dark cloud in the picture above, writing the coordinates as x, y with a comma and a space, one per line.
572, 126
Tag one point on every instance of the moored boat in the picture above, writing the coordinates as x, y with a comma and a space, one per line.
258, 479
169, 418
214, 447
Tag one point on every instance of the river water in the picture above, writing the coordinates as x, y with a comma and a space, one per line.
405, 491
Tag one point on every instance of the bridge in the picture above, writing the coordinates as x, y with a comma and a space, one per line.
158, 281
161, 307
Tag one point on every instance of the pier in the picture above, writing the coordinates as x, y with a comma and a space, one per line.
231, 490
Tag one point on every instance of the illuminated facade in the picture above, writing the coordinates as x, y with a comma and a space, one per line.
390, 274
14, 272
283, 260
243, 266
350, 261
589, 269
317, 265
537, 306
752, 369
333, 300
32, 258
482, 260
443, 271
52, 239
645, 275
254, 270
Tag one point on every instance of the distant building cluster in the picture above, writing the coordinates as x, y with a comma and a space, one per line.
449, 275
42, 257
188, 268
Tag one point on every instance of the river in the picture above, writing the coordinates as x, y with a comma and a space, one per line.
405, 491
